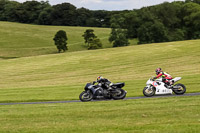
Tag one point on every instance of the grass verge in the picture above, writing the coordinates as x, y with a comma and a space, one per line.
166, 115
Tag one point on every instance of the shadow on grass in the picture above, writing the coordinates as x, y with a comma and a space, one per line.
6, 58
38, 101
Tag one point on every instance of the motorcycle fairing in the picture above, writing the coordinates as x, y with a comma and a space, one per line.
155, 84
89, 86
161, 89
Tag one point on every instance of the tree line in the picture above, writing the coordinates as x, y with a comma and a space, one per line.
43, 13
179, 20
160, 23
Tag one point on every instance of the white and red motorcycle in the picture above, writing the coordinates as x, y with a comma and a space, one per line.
157, 87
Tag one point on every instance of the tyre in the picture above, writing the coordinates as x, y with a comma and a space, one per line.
86, 96
149, 91
179, 89
119, 94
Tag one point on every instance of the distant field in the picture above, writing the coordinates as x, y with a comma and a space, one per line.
63, 76
19, 40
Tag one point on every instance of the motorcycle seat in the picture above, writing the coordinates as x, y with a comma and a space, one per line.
118, 84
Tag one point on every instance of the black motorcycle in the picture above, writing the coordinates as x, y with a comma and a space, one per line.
98, 92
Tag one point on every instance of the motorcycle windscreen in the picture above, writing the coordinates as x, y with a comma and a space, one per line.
87, 86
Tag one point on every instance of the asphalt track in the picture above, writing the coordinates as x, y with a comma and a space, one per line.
73, 101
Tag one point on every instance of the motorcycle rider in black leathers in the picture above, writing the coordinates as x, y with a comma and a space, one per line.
106, 84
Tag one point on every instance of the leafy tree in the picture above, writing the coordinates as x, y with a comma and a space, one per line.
91, 39
64, 14
89, 36
95, 43
31, 11
195, 1
146, 15
10, 11
60, 40
117, 21
119, 37
151, 32
168, 14
100, 17
45, 16
3, 3
176, 35
82, 16
132, 22
191, 20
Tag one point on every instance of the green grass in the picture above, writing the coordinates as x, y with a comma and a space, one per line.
63, 76
19, 40
158, 115
52, 77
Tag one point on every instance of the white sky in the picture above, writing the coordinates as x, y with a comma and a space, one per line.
108, 4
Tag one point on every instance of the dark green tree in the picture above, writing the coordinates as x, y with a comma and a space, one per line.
82, 16
89, 36
191, 20
31, 11
195, 1
132, 22
168, 14
64, 14
117, 21
176, 35
95, 44
60, 40
118, 37
3, 3
45, 17
10, 11
151, 32
91, 39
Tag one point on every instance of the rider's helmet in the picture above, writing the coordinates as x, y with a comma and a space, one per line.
99, 78
158, 70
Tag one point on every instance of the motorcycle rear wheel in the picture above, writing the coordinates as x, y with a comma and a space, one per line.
149, 92
120, 95
181, 89
86, 96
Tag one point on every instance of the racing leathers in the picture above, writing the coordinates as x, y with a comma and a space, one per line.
166, 78
105, 83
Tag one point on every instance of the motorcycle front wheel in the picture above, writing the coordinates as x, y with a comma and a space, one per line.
86, 96
179, 89
149, 92
119, 94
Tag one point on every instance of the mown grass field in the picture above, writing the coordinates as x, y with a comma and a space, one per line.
54, 77
158, 115
63, 76
20, 40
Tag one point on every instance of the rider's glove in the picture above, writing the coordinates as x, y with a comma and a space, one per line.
94, 82
154, 78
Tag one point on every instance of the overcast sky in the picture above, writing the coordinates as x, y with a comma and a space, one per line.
108, 4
